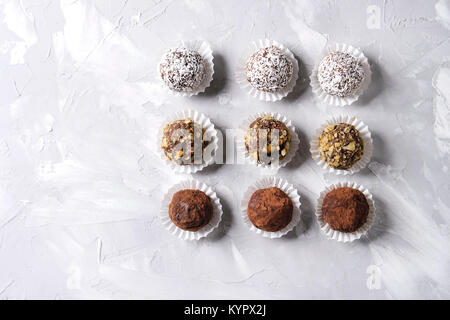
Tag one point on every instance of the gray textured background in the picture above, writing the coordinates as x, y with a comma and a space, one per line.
81, 182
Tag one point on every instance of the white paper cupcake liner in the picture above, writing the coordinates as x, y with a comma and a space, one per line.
241, 73
335, 100
210, 135
345, 236
365, 135
293, 146
205, 51
191, 235
287, 188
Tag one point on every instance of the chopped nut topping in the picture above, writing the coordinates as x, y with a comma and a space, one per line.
341, 146
261, 139
180, 140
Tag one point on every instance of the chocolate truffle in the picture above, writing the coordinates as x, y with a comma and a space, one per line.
269, 69
267, 129
270, 209
340, 74
341, 146
190, 210
345, 209
183, 141
182, 69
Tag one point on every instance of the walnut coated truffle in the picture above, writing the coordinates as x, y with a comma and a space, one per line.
340, 74
182, 69
269, 69
267, 129
345, 209
270, 209
190, 210
183, 142
341, 145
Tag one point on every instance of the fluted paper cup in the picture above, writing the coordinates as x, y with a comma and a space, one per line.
287, 188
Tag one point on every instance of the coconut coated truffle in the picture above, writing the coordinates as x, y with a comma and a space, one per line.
269, 69
182, 69
267, 129
340, 74
341, 146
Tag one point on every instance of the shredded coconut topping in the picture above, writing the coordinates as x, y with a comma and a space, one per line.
340, 74
182, 69
269, 70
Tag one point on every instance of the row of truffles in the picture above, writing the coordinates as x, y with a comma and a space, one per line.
270, 209
184, 70
267, 70
344, 209
183, 140
266, 140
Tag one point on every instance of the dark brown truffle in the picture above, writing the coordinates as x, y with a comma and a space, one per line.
190, 210
345, 209
267, 129
270, 209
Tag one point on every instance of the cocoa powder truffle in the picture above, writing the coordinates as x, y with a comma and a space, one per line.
340, 74
269, 69
345, 209
341, 145
183, 142
190, 209
182, 70
270, 209
267, 129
